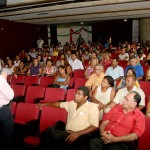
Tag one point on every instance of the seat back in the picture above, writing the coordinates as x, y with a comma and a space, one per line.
143, 143
78, 73
13, 107
19, 90
54, 94
9, 78
105, 67
122, 62
44, 81
79, 82
30, 80
50, 115
34, 92
26, 112
144, 85
71, 83
70, 94
18, 79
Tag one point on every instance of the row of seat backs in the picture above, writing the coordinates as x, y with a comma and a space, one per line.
42, 81
29, 94
54, 94
30, 80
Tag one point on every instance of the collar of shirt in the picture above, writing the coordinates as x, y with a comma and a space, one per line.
131, 112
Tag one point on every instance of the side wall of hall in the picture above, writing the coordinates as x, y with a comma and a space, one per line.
15, 36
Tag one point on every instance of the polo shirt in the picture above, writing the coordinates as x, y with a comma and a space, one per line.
121, 123
123, 92
138, 69
115, 72
81, 118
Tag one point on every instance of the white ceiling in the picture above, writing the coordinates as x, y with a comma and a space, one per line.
68, 11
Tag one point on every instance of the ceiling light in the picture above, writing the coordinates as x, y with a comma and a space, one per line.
125, 20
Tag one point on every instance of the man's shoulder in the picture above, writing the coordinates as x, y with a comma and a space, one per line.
78, 61
119, 67
92, 105
138, 89
139, 113
122, 90
109, 68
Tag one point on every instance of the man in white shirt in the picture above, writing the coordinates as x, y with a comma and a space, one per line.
123, 55
130, 86
74, 62
6, 118
40, 43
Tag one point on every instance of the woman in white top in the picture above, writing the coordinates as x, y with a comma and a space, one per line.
103, 94
10, 67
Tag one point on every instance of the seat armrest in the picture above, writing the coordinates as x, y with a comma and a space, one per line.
34, 84
20, 84
19, 99
37, 100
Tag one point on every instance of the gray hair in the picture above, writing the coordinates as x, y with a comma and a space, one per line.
100, 66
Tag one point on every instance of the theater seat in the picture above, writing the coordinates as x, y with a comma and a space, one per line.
143, 141
26, 112
70, 94
33, 93
79, 82
54, 94
49, 116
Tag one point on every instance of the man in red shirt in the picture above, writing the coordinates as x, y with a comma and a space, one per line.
122, 124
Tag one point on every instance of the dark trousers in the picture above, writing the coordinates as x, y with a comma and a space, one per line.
54, 139
6, 126
98, 144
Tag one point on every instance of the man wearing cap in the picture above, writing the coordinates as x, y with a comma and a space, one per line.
6, 118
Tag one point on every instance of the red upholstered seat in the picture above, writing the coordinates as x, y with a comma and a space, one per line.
49, 116
78, 73
26, 112
143, 143
34, 92
17, 80
79, 82
54, 94
44, 81
70, 94
31, 80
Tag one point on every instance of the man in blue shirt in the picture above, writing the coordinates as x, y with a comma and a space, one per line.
138, 68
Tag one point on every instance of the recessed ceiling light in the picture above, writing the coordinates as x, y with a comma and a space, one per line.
125, 20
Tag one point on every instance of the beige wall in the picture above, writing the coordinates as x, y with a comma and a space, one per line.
66, 30
145, 29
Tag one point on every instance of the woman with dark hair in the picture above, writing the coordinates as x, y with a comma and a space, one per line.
65, 63
103, 94
62, 79
28, 61
40, 60
21, 69
49, 70
130, 71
